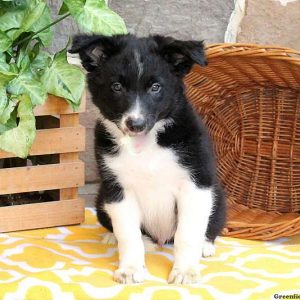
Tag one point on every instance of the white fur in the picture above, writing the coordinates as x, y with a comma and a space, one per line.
208, 249
194, 208
155, 177
125, 216
139, 63
111, 127
153, 181
136, 110
134, 113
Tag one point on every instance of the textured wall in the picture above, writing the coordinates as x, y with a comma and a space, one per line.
63, 30
272, 22
186, 19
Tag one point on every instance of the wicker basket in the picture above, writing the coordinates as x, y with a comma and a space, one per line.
249, 97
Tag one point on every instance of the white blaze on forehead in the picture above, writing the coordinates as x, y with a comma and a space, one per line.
135, 112
139, 63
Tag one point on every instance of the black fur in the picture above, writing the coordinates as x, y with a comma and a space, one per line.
165, 60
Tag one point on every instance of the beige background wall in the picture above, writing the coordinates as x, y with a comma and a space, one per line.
272, 22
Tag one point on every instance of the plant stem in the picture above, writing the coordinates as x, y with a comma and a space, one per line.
42, 29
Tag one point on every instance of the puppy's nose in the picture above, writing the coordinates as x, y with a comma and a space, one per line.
135, 124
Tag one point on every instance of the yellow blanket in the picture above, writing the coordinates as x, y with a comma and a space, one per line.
71, 263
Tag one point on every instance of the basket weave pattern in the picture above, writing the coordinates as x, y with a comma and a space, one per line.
249, 98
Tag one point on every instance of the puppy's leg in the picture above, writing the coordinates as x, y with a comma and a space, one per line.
208, 248
216, 222
194, 208
125, 217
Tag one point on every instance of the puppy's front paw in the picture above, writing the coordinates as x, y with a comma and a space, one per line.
208, 249
129, 275
187, 276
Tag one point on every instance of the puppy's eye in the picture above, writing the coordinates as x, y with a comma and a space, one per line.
155, 88
116, 86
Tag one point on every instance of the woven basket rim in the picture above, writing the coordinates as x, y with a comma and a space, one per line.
260, 230
259, 211
253, 50
245, 224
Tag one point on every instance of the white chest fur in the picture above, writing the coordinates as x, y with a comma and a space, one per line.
154, 176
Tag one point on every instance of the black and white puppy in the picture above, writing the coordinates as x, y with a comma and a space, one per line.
153, 153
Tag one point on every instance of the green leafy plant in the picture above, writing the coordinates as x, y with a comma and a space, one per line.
28, 72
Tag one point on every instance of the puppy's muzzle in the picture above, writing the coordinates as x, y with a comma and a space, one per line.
135, 125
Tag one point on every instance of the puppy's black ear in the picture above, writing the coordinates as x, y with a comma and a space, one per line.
181, 55
94, 49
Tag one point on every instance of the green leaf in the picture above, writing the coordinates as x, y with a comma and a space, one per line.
11, 122
5, 41
19, 140
3, 99
40, 63
25, 83
35, 50
20, 4
6, 106
95, 16
45, 19
5, 71
11, 20
27, 54
23, 60
15, 22
4, 66
64, 80
13, 4
75, 6
13, 68
31, 17
3, 104
63, 9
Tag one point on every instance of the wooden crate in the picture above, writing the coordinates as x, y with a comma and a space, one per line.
66, 175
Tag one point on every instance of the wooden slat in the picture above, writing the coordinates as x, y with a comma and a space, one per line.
58, 106
69, 120
56, 140
40, 215
40, 178
66, 121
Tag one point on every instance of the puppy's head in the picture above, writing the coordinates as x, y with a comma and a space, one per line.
137, 82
